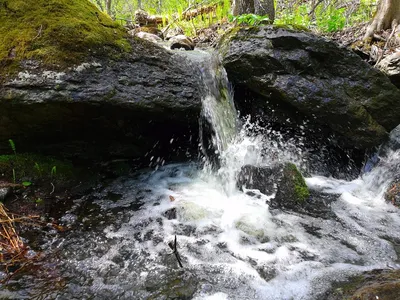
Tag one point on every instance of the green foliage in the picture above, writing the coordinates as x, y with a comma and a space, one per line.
328, 16
34, 167
12, 145
53, 172
330, 20
298, 16
249, 19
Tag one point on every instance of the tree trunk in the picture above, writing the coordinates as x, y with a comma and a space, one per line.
240, 7
265, 8
258, 7
387, 16
108, 7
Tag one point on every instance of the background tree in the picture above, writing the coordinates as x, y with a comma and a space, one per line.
387, 16
258, 7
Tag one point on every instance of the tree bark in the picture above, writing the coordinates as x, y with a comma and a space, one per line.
240, 7
258, 7
108, 7
265, 8
387, 16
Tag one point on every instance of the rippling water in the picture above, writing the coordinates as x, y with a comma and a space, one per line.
232, 245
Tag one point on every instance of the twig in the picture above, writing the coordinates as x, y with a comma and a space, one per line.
174, 248
39, 32
53, 188
314, 7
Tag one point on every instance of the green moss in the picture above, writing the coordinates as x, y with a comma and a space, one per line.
292, 27
58, 33
300, 188
382, 284
34, 167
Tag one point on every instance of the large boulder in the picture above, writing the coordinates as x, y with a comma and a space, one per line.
295, 77
106, 102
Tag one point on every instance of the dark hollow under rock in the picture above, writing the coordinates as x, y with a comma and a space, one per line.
145, 103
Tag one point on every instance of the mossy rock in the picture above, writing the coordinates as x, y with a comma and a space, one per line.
58, 33
376, 284
292, 189
35, 167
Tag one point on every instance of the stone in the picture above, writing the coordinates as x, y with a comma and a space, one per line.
285, 180
91, 92
392, 194
390, 65
147, 36
376, 284
292, 190
105, 108
260, 178
181, 41
285, 76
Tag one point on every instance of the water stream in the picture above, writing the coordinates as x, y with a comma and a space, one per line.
232, 244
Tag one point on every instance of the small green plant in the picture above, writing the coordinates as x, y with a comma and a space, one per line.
26, 183
53, 172
14, 176
331, 19
39, 200
38, 168
249, 19
12, 145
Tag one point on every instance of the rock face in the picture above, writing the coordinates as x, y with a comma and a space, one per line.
288, 76
146, 100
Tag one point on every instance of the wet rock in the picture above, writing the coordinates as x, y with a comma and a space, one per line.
170, 214
284, 179
372, 285
292, 190
172, 285
181, 41
390, 65
121, 107
148, 36
293, 77
260, 178
392, 194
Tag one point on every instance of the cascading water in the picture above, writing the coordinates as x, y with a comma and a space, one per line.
232, 244
218, 120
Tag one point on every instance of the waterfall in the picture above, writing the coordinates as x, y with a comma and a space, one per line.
218, 120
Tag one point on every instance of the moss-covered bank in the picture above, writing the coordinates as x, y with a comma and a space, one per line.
58, 33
